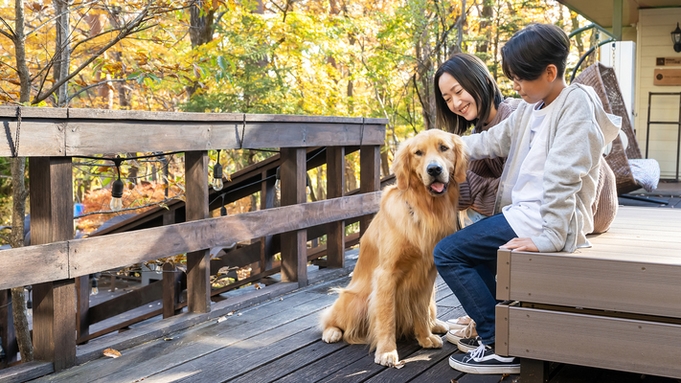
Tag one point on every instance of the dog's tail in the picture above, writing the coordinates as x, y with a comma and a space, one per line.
348, 313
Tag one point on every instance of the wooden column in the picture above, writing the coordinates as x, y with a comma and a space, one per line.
370, 177
267, 196
7, 333
335, 184
83, 289
198, 262
54, 303
293, 244
171, 289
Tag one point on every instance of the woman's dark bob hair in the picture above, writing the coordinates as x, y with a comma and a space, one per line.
527, 54
472, 74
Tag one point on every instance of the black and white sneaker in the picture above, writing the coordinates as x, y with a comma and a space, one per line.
483, 360
468, 344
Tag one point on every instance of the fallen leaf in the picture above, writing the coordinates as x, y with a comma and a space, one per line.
111, 353
222, 319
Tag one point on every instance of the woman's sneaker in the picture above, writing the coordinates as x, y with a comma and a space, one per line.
459, 323
454, 336
483, 360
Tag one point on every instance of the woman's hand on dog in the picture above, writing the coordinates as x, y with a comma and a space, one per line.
520, 244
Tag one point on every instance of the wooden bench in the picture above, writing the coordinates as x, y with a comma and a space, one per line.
616, 305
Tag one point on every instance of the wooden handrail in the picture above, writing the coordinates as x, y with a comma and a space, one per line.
69, 259
73, 132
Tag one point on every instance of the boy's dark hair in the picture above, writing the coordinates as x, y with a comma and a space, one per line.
473, 76
527, 54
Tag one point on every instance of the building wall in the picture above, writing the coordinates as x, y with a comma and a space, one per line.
653, 41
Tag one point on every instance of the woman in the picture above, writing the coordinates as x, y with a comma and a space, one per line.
466, 95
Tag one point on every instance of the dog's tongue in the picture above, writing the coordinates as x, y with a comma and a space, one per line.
437, 186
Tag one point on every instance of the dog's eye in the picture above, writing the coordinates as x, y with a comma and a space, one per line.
444, 148
418, 153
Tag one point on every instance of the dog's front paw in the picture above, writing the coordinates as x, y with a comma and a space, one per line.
439, 327
388, 359
332, 335
431, 341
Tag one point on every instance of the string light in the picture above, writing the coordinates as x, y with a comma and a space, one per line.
217, 174
117, 188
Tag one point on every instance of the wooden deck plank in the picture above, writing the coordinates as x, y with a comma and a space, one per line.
208, 353
159, 355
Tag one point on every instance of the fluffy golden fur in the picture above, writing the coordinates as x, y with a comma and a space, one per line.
391, 291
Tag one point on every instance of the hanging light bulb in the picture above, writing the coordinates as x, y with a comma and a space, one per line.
217, 175
117, 189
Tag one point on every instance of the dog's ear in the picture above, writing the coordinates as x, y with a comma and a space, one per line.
401, 165
461, 158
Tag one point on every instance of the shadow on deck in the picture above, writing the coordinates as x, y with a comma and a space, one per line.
277, 340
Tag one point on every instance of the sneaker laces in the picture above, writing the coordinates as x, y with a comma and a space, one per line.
478, 352
468, 331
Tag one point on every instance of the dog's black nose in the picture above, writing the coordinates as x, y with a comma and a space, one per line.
434, 169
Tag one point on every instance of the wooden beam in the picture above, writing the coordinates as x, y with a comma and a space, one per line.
171, 289
149, 244
51, 204
267, 201
198, 262
73, 132
8, 340
78, 257
128, 301
293, 244
30, 265
370, 177
617, 12
83, 289
335, 181
534, 334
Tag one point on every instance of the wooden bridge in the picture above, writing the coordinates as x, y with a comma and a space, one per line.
266, 334
58, 266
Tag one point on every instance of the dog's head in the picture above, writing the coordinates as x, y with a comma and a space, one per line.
433, 159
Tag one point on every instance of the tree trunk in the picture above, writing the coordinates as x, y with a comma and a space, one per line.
63, 52
19, 193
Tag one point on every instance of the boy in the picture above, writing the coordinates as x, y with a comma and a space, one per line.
553, 143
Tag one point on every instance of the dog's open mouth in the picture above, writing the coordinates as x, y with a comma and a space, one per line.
437, 188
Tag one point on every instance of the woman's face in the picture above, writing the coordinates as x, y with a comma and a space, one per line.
458, 100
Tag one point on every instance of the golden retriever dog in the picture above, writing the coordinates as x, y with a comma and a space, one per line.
391, 293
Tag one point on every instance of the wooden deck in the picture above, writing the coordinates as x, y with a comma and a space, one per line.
276, 339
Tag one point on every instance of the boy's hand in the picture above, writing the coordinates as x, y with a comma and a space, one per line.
520, 244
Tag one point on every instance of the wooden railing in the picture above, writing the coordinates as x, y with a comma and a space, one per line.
55, 261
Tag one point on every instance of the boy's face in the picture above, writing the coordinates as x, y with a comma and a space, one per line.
544, 88
532, 91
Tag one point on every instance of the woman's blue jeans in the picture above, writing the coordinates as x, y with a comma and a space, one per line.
467, 261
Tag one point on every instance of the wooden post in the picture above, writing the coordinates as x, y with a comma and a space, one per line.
267, 196
370, 177
171, 289
83, 289
7, 333
198, 262
54, 303
534, 371
335, 185
293, 244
